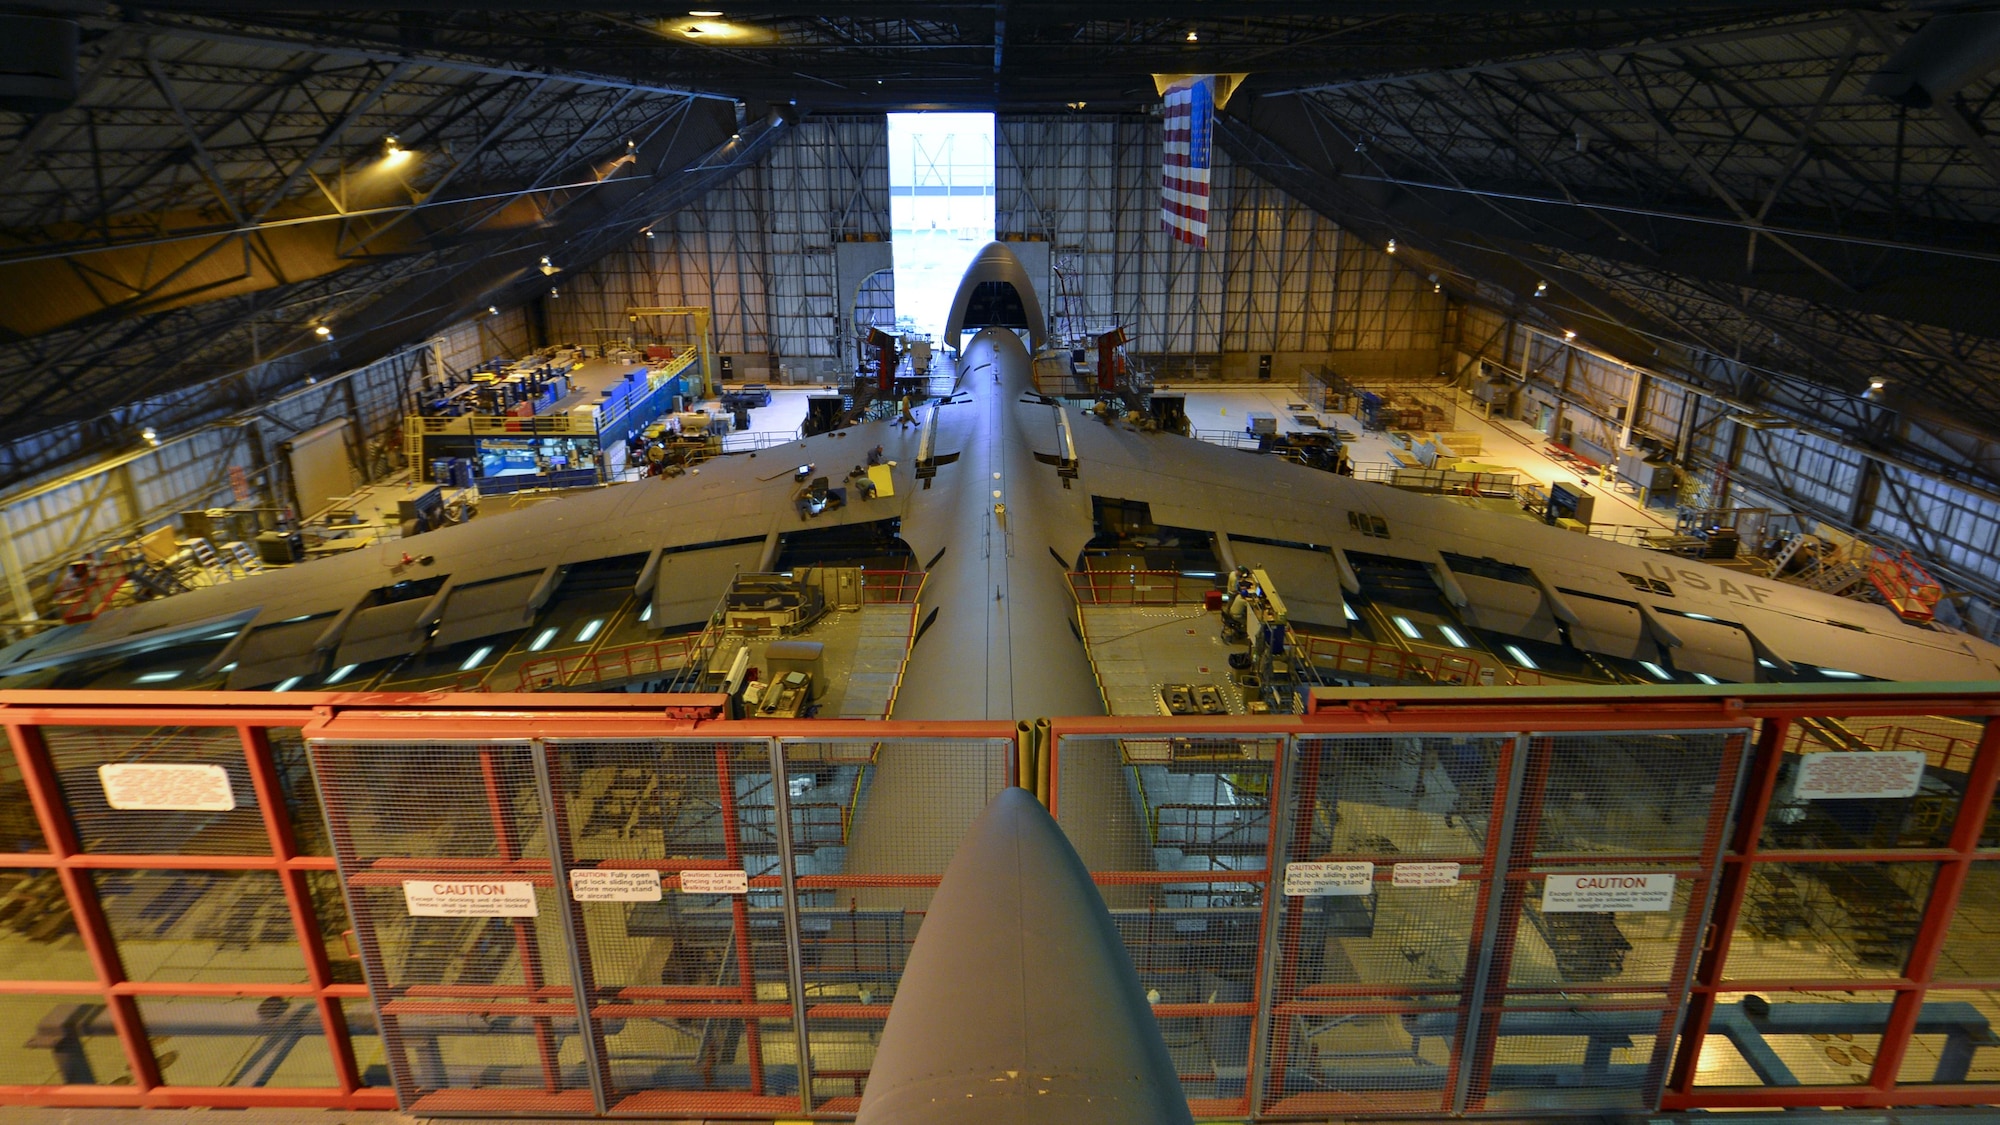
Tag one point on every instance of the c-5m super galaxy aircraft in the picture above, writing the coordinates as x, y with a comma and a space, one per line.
1020, 1003
1033, 478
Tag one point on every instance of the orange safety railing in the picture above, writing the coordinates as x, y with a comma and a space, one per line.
1139, 587
1941, 751
296, 894
1904, 584
889, 587
626, 662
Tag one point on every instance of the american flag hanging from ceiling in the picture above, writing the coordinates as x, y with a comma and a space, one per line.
1189, 116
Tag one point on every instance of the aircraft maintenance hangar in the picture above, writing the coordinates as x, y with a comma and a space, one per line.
532, 532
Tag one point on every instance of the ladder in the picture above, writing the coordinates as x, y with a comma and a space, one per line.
1794, 543
1068, 311
1835, 578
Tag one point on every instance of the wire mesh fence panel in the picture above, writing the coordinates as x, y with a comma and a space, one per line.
294, 776
20, 833
1633, 794
1386, 844
1954, 1040
443, 850
874, 822
238, 1041
1555, 1058
1872, 783
1971, 950
1176, 832
1819, 1037
38, 935
1614, 850
55, 1040
365, 1032
155, 790
686, 982
209, 926
1828, 921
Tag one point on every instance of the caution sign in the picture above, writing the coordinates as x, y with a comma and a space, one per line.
612, 884
468, 898
1846, 776
1310, 880
1637, 893
147, 787
1424, 875
709, 882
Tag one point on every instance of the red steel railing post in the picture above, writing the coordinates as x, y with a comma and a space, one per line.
1945, 893
504, 841
38, 774
298, 897
1759, 786
739, 908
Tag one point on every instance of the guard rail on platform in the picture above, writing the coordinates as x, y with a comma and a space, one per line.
1139, 587
1495, 901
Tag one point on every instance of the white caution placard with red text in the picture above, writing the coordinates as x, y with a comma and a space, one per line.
1636, 892
712, 882
1424, 875
1840, 775
613, 884
1305, 880
165, 787
469, 898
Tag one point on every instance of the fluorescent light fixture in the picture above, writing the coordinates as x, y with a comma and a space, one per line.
1520, 657
1197, 574
223, 636
157, 677
150, 436
1409, 628
1452, 635
477, 658
543, 638
1704, 677
647, 613
1349, 610
342, 673
1658, 672
1838, 674
589, 629
1698, 616
288, 684
229, 667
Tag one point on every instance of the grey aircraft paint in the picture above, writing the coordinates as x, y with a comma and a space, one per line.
1019, 1002
1001, 646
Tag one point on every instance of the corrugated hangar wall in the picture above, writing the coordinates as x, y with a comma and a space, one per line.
1954, 528
224, 451
1277, 278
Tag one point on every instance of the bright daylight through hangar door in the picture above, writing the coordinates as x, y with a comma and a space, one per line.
940, 209
1491, 923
